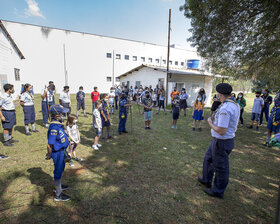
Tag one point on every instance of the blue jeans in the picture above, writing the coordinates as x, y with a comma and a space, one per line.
93, 106
216, 161
265, 111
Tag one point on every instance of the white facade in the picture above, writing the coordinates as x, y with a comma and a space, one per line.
191, 80
87, 63
9, 61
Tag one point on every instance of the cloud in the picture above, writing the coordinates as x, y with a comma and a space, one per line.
33, 9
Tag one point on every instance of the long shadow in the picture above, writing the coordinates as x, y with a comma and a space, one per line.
20, 129
40, 122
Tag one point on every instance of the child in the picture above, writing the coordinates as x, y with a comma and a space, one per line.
148, 110
198, 112
27, 102
161, 100
80, 97
105, 117
8, 114
97, 124
176, 111
57, 145
122, 113
273, 124
74, 136
173, 94
94, 97
64, 99
242, 103
111, 100
256, 111
154, 97
183, 100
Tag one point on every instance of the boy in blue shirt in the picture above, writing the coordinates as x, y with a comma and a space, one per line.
80, 96
123, 104
57, 145
176, 111
256, 111
273, 124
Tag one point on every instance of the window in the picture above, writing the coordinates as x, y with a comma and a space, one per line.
176, 62
117, 79
150, 60
109, 79
157, 61
182, 63
134, 58
126, 57
143, 59
17, 75
109, 55
164, 62
118, 56
170, 62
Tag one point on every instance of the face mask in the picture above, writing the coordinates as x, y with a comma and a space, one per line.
75, 121
62, 119
199, 99
257, 95
183, 91
12, 92
239, 96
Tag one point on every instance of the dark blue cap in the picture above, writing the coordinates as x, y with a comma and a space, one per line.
58, 109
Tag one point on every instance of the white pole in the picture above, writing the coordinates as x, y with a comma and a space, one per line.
65, 70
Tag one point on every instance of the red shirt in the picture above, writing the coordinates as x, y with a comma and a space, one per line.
94, 96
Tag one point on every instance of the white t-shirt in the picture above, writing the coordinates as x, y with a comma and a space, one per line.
111, 98
64, 97
7, 101
97, 119
73, 132
27, 98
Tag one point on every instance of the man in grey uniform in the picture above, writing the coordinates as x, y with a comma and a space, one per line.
223, 127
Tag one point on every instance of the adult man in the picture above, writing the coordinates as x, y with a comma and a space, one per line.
117, 93
223, 129
64, 99
47, 101
265, 110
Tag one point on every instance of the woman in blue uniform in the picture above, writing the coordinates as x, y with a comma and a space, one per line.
8, 114
183, 100
27, 102
122, 113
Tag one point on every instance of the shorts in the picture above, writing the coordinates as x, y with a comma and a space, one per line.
197, 115
29, 114
175, 116
80, 105
255, 117
10, 119
59, 163
272, 127
148, 115
98, 133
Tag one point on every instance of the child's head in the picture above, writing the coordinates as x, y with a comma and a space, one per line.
81, 88
9, 88
66, 89
98, 104
103, 96
72, 119
57, 112
95, 88
240, 95
183, 90
27, 87
258, 93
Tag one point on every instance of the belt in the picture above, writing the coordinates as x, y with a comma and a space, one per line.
8, 110
223, 139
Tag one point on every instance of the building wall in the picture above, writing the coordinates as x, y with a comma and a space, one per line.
86, 60
9, 60
192, 83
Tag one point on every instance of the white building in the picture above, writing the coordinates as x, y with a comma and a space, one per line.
191, 80
90, 60
10, 59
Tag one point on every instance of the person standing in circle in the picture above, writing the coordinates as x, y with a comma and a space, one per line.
223, 128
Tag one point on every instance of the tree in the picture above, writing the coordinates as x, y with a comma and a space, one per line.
238, 38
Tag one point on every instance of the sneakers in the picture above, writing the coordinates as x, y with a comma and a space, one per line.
28, 133
125, 132
250, 127
95, 147
71, 163
62, 197
241, 125
98, 145
199, 129
35, 130
257, 128
200, 180
2, 157
209, 192
173, 126
193, 129
63, 187
78, 159
47, 125
85, 115
8, 143
13, 140
109, 137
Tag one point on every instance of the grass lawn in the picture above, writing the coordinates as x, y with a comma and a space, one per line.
133, 179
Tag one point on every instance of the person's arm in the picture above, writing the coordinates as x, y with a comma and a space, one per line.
219, 130
103, 115
1, 115
222, 124
270, 100
127, 105
262, 103
44, 93
244, 103
49, 151
79, 137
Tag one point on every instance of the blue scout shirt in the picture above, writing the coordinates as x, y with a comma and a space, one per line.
122, 102
105, 108
227, 116
176, 106
184, 96
57, 136
80, 96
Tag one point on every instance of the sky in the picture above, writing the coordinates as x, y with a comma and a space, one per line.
142, 20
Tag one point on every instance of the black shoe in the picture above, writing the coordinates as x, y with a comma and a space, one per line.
109, 137
8, 143
257, 128
267, 145
202, 182
212, 194
149, 128
28, 133
62, 197
35, 131
125, 132
2, 157
85, 115
13, 140
120, 133
250, 127
193, 129
199, 129
185, 115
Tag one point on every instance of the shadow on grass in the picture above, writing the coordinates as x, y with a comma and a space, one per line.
20, 129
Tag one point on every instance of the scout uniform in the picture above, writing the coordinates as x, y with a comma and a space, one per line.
51, 101
8, 110
28, 110
65, 100
59, 141
80, 97
216, 159
122, 114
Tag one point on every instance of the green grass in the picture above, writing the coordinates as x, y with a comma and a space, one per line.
133, 179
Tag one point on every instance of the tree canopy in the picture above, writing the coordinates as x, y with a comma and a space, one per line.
238, 38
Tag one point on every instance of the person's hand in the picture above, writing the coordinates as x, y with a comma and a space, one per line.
48, 156
192, 113
209, 120
3, 119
